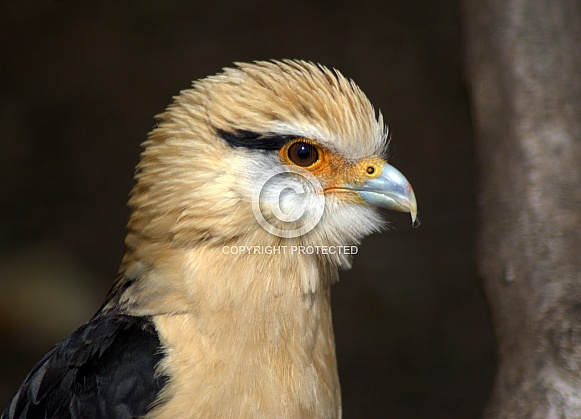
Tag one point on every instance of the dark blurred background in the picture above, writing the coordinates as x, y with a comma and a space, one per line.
80, 83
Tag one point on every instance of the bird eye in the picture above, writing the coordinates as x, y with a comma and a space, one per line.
303, 154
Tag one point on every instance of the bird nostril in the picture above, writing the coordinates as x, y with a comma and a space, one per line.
370, 170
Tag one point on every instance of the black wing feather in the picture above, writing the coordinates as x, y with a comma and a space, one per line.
106, 369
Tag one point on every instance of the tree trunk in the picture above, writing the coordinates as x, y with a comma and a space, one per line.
524, 65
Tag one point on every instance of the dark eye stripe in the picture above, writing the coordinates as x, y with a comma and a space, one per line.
254, 140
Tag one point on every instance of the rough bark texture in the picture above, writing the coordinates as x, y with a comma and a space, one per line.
524, 61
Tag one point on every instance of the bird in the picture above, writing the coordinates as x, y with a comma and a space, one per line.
251, 190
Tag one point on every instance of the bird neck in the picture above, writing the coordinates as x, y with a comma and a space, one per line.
255, 320
157, 277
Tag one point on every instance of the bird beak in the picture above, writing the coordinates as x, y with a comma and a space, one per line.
389, 190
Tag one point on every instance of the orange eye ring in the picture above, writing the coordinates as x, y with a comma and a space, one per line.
303, 153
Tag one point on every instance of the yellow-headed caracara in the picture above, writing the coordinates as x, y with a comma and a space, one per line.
222, 305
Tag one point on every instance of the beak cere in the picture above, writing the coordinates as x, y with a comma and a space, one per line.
382, 186
390, 190
374, 182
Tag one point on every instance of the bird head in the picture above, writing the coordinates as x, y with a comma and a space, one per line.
272, 152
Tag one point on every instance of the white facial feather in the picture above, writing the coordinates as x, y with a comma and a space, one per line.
336, 223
